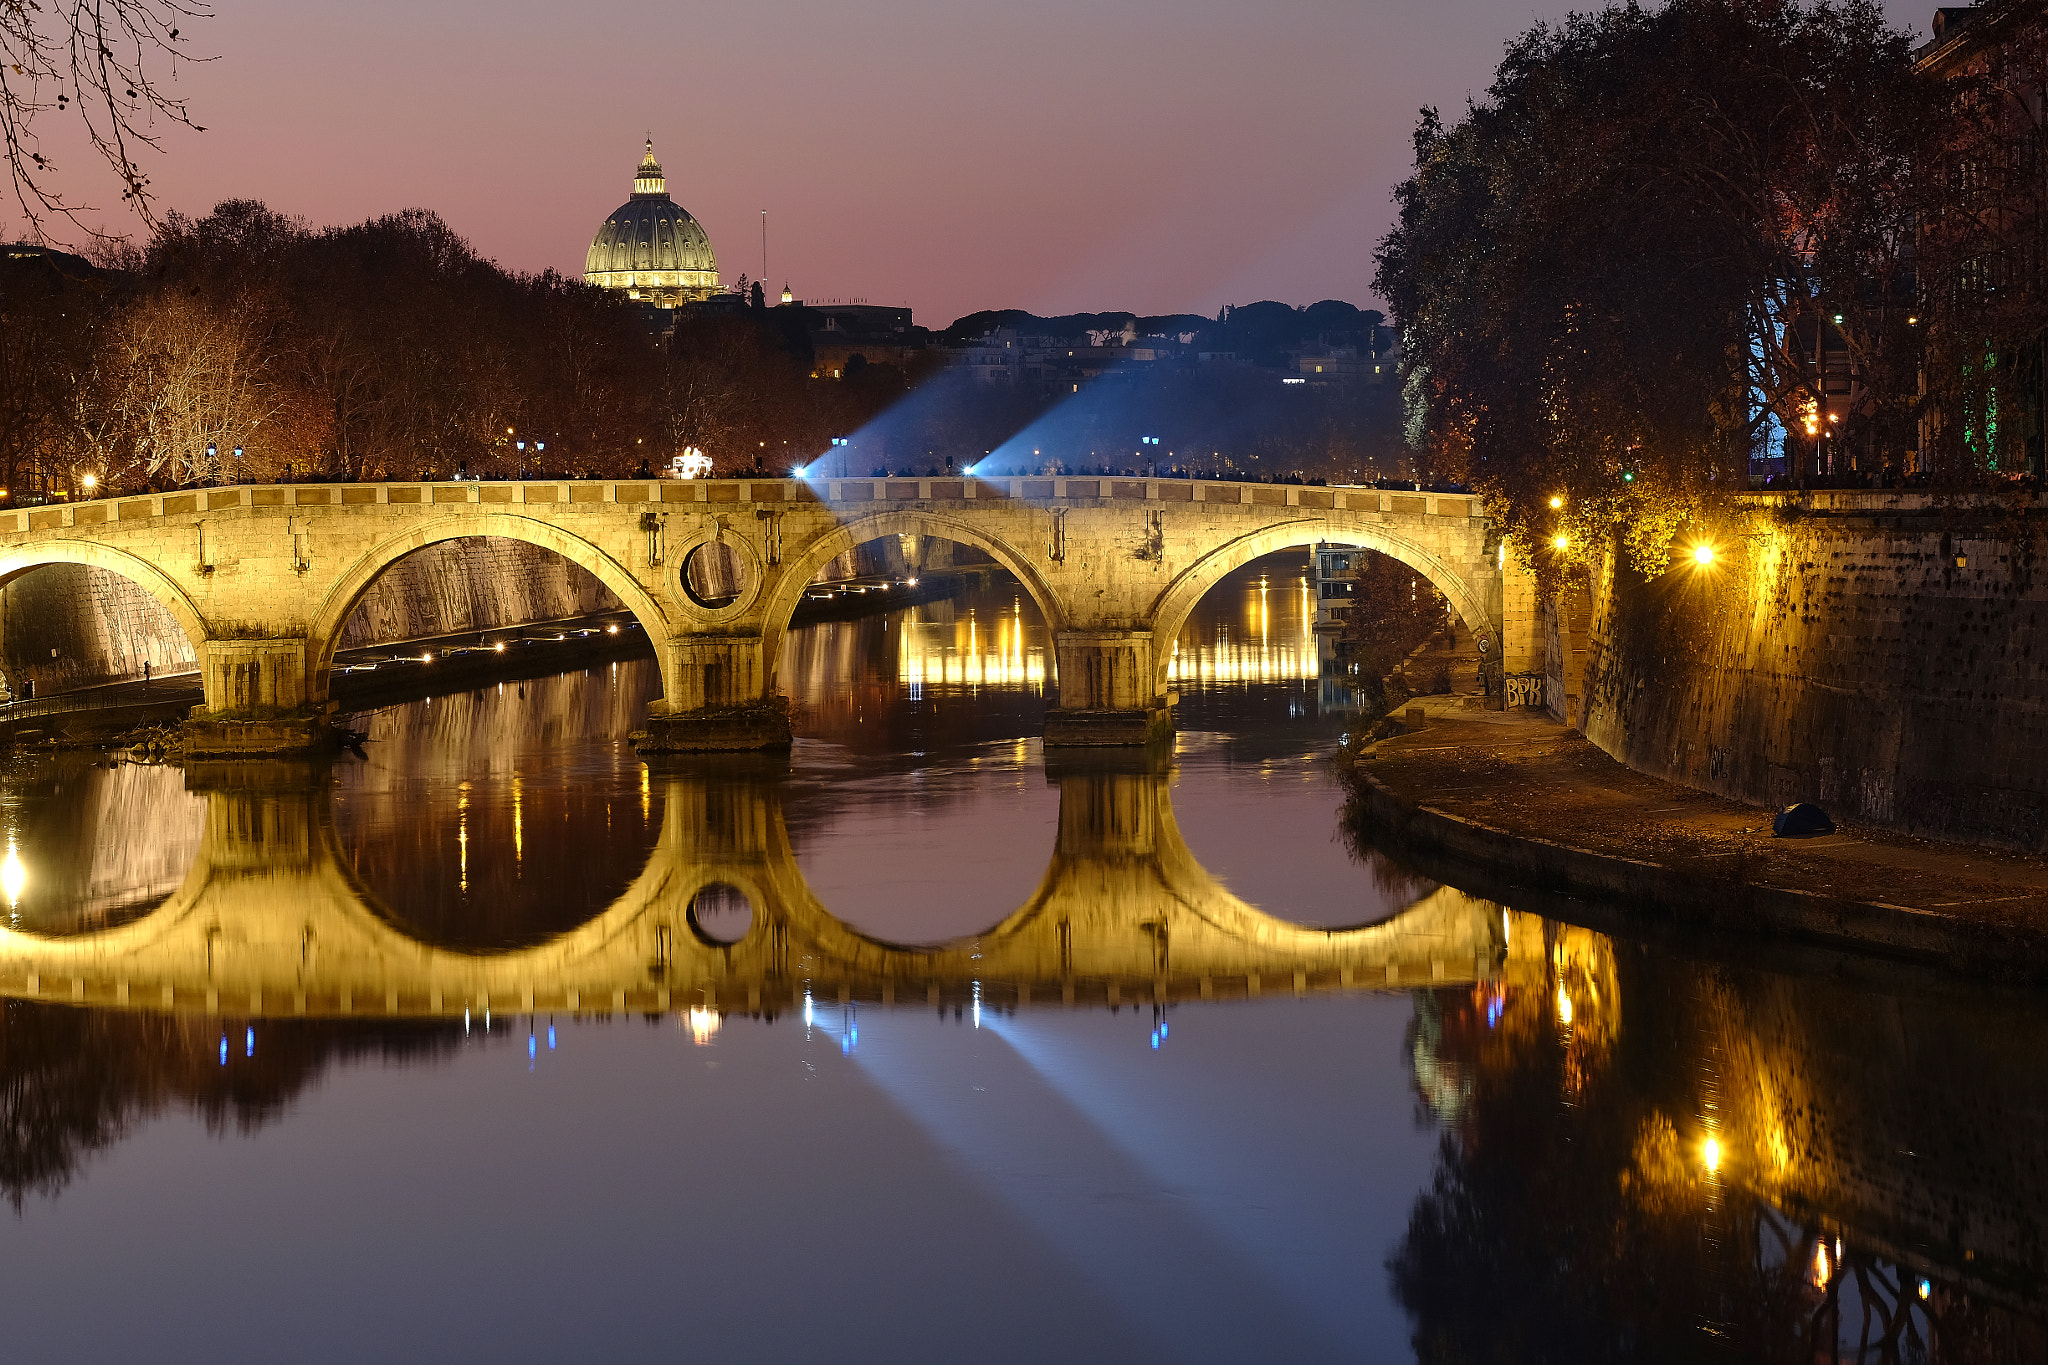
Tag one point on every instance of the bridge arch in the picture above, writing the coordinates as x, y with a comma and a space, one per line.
1174, 604
804, 565
331, 616
139, 571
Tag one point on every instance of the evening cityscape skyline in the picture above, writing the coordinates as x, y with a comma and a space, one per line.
1152, 156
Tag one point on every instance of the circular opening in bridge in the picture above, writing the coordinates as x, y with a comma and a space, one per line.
721, 914
714, 575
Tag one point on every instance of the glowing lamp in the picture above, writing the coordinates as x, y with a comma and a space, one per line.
1703, 554
1560, 541
1710, 1155
90, 482
1556, 502
13, 876
499, 647
614, 630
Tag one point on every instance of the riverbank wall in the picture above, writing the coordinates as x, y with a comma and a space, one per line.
74, 625
1881, 654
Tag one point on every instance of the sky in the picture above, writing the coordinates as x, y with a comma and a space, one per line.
1052, 155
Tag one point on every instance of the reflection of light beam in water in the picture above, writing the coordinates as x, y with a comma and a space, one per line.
13, 876
1180, 1287
1131, 1104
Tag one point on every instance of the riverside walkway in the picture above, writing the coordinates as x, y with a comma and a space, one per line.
1531, 804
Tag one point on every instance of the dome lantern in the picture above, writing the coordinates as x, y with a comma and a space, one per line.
648, 181
651, 247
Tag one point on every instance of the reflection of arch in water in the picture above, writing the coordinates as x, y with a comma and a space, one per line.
88, 846
270, 922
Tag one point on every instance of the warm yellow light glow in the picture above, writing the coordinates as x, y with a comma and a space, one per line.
426, 658
1710, 1155
1556, 502
499, 647
1564, 1006
90, 482
612, 629
1822, 1273
13, 876
1560, 541
703, 1025
1702, 554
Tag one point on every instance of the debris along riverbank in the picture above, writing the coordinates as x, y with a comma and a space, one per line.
1526, 803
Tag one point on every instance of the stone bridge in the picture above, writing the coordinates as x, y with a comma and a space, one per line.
271, 920
263, 578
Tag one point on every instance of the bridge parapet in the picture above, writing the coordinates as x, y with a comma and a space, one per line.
262, 578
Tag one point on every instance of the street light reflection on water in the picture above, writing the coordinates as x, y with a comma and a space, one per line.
885, 1041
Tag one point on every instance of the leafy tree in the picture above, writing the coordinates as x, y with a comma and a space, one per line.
1610, 272
1394, 611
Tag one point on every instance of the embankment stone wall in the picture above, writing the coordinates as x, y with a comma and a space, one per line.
102, 627
1878, 654
476, 583
70, 625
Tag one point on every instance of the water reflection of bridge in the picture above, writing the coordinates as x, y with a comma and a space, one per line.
271, 921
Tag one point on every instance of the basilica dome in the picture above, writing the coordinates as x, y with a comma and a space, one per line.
651, 247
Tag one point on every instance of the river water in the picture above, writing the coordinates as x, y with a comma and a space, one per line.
500, 1044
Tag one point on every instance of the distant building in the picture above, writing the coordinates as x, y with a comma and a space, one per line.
651, 248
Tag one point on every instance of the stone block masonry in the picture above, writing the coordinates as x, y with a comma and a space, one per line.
1873, 652
268, 582
74, 625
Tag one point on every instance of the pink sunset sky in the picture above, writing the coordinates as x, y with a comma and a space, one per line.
1053, 155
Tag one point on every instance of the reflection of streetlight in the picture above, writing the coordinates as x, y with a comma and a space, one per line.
13, 876
1710, 1155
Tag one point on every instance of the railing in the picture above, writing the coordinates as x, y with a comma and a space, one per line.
872, 490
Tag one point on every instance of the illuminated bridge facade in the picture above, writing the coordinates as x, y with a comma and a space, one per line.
271, 920
263, 578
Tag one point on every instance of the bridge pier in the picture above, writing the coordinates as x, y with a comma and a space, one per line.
259, 701
1106, 691
718, 699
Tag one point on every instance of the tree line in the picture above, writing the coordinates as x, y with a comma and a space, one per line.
247, 345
